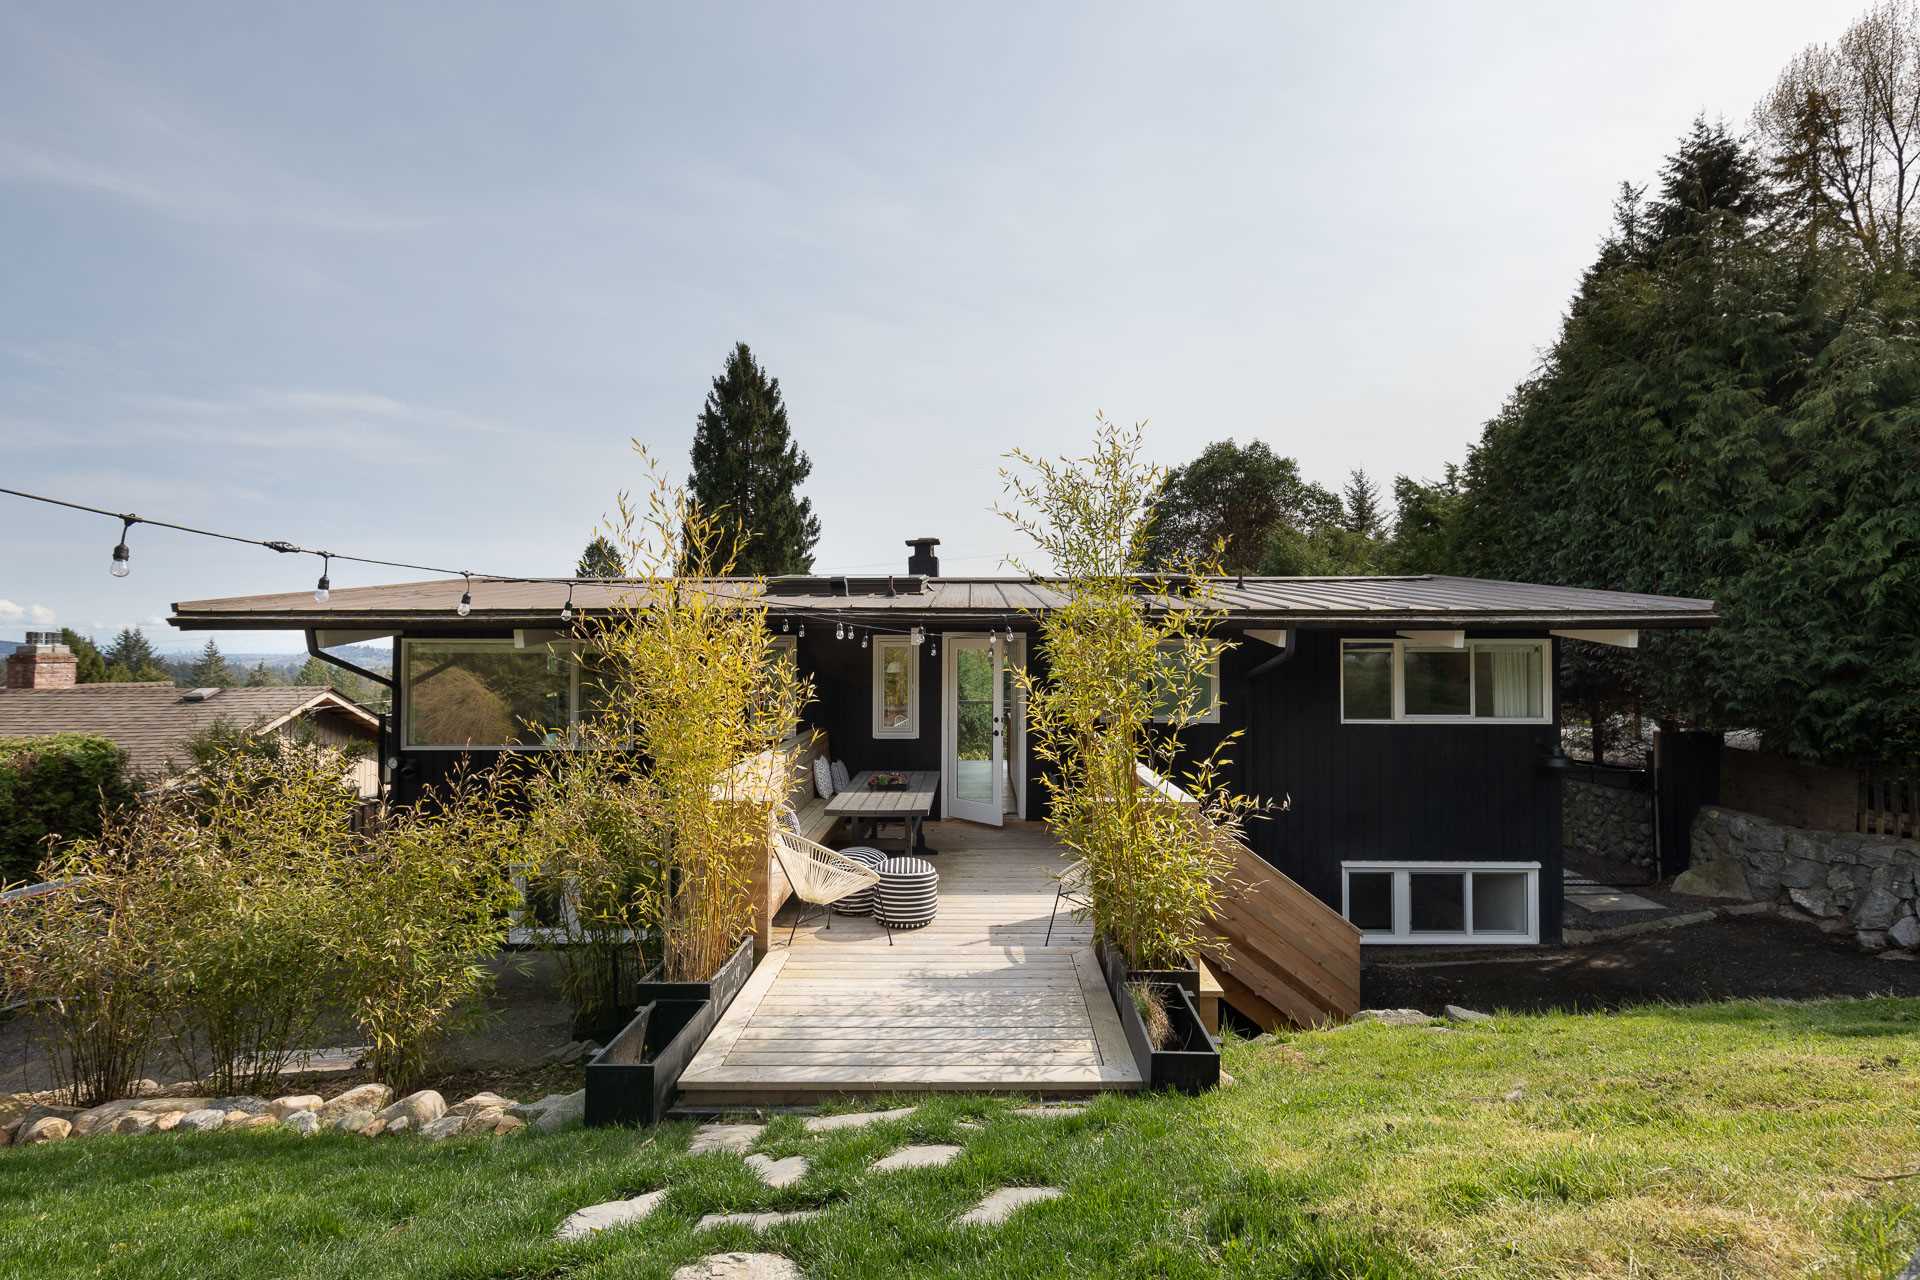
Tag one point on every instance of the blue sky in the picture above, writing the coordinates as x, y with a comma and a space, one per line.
404, 280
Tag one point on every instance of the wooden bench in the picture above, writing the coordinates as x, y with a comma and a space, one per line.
786, 773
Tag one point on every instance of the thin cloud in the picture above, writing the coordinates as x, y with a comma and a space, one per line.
38, 615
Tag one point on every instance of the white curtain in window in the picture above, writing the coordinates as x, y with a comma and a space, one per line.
1516, 683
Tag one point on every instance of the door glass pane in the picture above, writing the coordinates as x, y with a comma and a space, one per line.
1439, 682
1507, 683
1366, 681
1437, 902
973, 690
1370, 900
1499, 902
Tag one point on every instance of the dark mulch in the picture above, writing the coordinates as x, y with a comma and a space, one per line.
1744, 957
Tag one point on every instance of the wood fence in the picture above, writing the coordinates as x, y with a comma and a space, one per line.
1884, 800
1889, 803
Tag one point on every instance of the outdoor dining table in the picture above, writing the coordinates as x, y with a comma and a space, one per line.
859, 801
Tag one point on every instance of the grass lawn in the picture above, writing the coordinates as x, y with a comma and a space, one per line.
1717, 1140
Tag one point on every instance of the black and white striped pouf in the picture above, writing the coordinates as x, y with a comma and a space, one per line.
861, 903
909, 893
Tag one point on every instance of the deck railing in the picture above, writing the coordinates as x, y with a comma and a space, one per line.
1288, 957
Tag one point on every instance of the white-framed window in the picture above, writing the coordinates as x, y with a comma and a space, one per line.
1430, 903
1481, 682
1206, 679
489, 694
896, 687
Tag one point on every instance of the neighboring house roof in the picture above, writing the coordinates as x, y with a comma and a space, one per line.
155, 721
1421, 598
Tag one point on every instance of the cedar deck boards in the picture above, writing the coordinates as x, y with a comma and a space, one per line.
977, 1000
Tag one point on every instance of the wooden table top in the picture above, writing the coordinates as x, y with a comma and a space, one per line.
858, 800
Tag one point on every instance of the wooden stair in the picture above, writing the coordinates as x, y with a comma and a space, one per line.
1287, 958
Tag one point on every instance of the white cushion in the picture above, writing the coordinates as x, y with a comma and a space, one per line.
822, 778
840, 775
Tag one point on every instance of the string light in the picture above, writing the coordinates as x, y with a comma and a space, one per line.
121, 568
465, 606
919, 635
803, 631
863, 641
566, 610
323, 590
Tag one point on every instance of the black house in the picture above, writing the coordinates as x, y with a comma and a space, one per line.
1410, 721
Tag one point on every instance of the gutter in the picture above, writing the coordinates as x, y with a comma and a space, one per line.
882, 615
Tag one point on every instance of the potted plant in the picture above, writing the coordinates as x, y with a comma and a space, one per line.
686, 679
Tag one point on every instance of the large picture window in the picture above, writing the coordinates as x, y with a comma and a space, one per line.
896, 687
1442, 902
489, 694
1387, 681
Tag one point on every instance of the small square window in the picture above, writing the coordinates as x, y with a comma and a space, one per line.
1439, 682
1366, 682
1436, 902
1370, 900
1500, 902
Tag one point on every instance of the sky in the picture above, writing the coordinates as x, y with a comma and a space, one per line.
406, 281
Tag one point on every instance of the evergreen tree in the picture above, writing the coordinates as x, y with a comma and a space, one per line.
211, 671
1361, 497
92, 665
261, 677
131, 658
747, 470
601, 559
1248, 498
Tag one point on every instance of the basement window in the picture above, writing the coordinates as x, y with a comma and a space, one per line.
1438, 903
1482, 682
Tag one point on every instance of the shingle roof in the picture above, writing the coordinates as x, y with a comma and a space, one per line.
1424, 598
155, 721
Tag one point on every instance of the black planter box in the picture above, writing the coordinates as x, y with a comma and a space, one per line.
633, 1079
1191, 1060
1189, 979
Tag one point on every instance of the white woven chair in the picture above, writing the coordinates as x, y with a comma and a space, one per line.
819, 876
1072, 888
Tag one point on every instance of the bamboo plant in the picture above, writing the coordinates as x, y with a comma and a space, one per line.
1119, 677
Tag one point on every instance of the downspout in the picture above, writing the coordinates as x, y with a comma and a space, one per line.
386, 682
1278, 658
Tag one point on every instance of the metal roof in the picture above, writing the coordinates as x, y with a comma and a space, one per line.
1377, 601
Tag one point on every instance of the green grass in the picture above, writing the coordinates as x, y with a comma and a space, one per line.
1718, 1140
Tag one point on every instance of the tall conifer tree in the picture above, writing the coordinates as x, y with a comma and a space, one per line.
748, 471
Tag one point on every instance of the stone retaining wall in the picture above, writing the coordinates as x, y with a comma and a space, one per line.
1847, 882
1605, 822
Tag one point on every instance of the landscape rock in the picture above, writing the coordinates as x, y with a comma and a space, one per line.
1396, 1017
293, 1103
134, 1122
737, 1138
168, 1121
1905, 933
205, 1120
778, 1173
101, 1119
855, 1119
564, 1114
614, 1213
447, 1126
413, 1112
926, 1156
145, 1087
1460, 1013
367, 1097
1054, 1111
44, 1129
481, 1102
1001, 1205
530, 1111
508, 1124
250, 1106
303, 1122
739, 1266
349, 1121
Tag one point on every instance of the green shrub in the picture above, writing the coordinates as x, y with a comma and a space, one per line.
55, 787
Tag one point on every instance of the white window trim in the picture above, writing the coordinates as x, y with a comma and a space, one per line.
1403, 936
880, 645
1211, 713
503, 644
1400, 649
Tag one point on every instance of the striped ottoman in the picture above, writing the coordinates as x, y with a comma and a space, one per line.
861, 903
908, 894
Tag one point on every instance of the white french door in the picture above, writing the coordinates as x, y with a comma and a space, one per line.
977, 722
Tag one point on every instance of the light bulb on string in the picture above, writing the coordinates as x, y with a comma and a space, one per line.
933, 650
323, 589
566, 610
863, 641
465, 606
839, 631
919, 635
121, 567
803, 631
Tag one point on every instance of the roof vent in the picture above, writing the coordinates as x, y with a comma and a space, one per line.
923, 561
199, 695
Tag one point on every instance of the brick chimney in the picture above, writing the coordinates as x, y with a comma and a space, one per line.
42, 663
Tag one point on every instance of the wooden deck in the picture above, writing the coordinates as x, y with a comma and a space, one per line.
977, 1000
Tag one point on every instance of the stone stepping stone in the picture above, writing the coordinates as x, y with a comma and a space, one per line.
778, 1173
918, 1157
755, 1221
855, 1119
739, 1266
1055, 1112
1002, 1204
737, 1138
614, 1213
